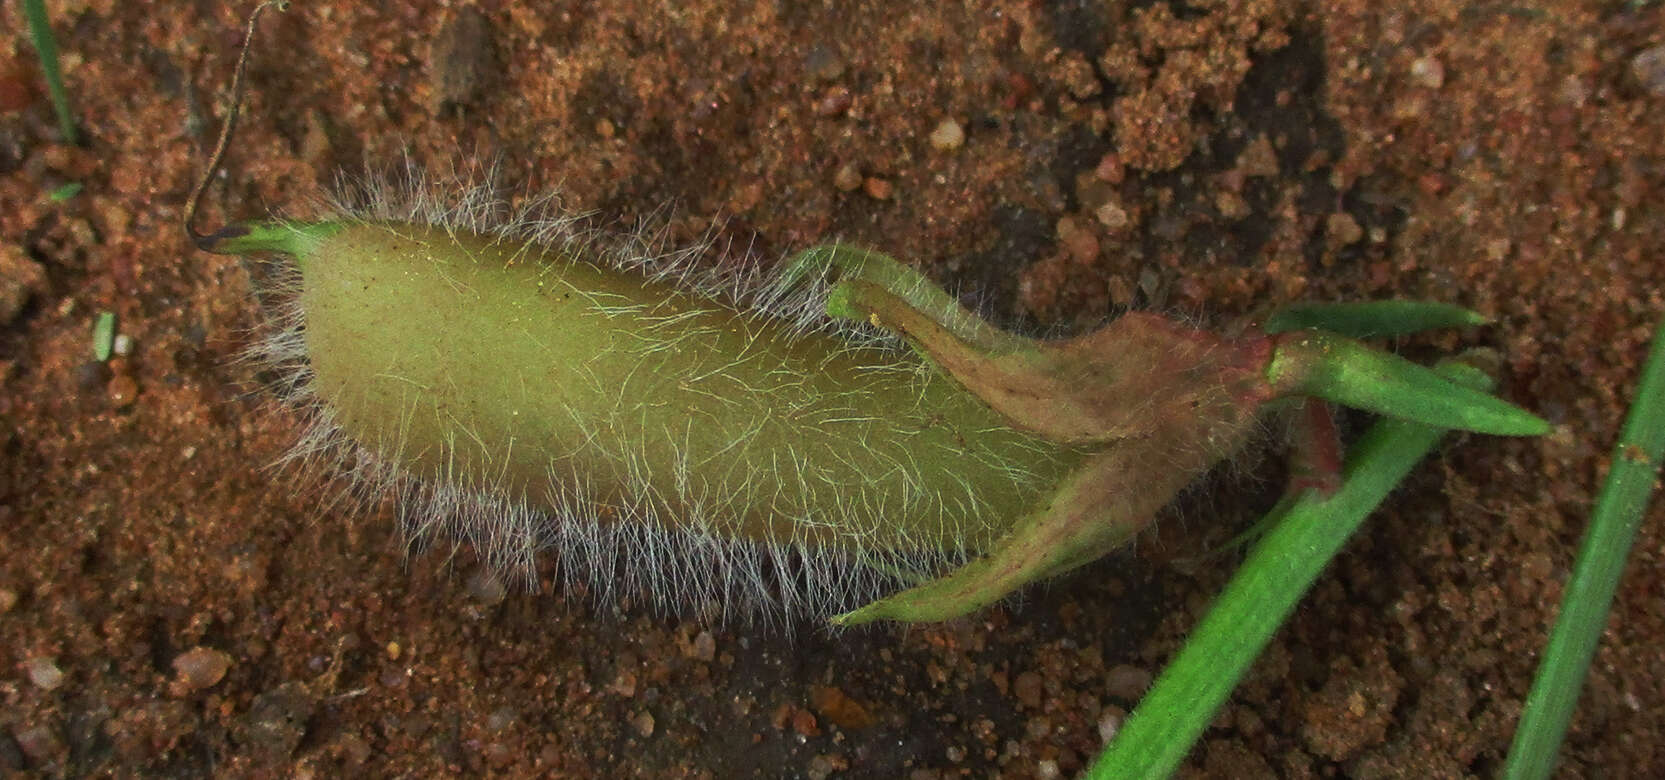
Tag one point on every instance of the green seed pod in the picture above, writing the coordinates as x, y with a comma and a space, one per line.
590, 403
501, 367
700, 437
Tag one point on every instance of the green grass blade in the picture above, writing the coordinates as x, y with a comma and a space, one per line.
1277, 572
40, 32
1601, 561
104, 335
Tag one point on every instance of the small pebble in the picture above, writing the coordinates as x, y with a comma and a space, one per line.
1121, 293
1082, 245
1110, 723
315, 143
803, 722
848, 178
835, 101
836, 706
1079, 77
948, 136
8, 599
1126, 682
820, 768
1343, 230
1428, 72
201, 667
123, 391
1112, 216
82, 232
1065, 228
1649, 69
1027, 687
501, 718
624, 684
44, 672
355, 749
876, 188
122, 345
1150, 283
746, 197
823, 64
392, 650
277, 720
1110, 169
40, 743
643, 724
704, 647
781, 715
499, 755
1231, 204
1258, 158
1574, 91
487, 588
1049, 190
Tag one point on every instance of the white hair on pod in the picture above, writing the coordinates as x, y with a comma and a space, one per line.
611, 550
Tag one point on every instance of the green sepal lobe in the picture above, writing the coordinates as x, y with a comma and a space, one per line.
1347, 372
1372, 319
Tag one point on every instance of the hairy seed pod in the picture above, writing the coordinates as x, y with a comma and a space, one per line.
699, 436
502, 367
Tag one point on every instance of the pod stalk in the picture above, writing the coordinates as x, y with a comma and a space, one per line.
296, 239
221, 241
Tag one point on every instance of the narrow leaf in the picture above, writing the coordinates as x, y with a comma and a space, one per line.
1373, 319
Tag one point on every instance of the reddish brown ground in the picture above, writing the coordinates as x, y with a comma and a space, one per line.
1212, 159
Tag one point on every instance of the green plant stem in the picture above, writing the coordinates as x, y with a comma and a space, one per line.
1306, 533
40, 31
1601, 560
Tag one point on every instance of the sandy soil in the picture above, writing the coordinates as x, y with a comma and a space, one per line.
171, 607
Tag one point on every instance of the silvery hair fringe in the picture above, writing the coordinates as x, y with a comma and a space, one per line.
611, 551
